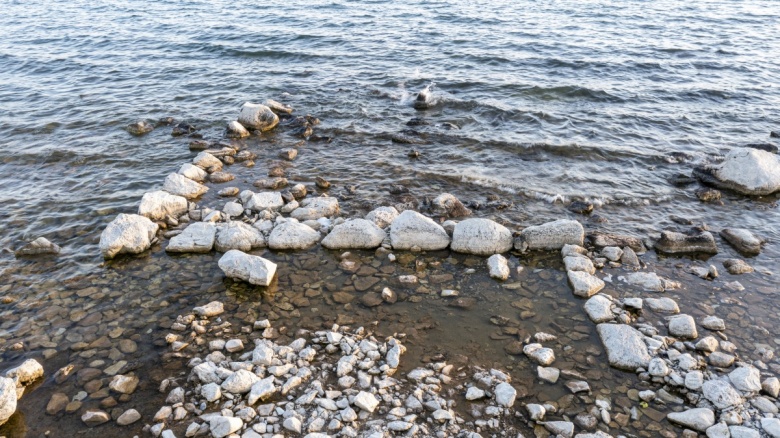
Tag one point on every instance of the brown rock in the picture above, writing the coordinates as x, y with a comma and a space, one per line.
371, 299
463, 303
365, 283
343, 297
57, 403
128, 346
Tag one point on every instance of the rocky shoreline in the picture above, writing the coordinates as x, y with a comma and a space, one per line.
344, 382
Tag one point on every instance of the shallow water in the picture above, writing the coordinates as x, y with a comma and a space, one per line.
604, 101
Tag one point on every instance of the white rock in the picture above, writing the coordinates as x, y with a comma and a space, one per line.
252, 269
198, 237
771, 426
366, 401
205, 160
543, 356
354, 233
236, 130
293, 235
211, 392
474, 393
240, 382
238, 235
599, 309
257, 116
129, 416
261, 201
7, 399
127, 234
577, 263
649, 281
713, 323
612, 253
213, 308
535, 412
694, 380
683, 326
293, 424
382, 216
223, 426
263, 354
697, 419
27, 372
505, 394
563, 429
771, 386
123, 384
745, 170
626, 349
315, 208
159, 204
746, 379
719, 430
573, 250
180, 185
233, 209
743, 240
193, 172
657, 367
551, 235
584, 284
721, 393
498, 267
412, 229
261, 390
234, 345
662, 305
743, 432
548, 374
481, 237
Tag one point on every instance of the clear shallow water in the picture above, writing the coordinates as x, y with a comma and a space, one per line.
555, 101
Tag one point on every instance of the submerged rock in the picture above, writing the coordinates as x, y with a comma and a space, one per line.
293, 235
240, 236
315, 208
448, 205
481, 237
257, 116
672, 242
625, 346
39, 246
198, 237
176, 184
127, 234
412, 229
354, 233
551, 235
743, 240
252, 269
424, 99
748, 171
158, 205
140, 127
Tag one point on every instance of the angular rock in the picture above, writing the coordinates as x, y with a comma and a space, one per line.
127, 234
213, 308
563, 429
95, 418
584, 284
697, 419
236, 130
548, 374
180, 185
744, 170
412, 229
498, 267
257, 116
261, 201
577, 263
505, 394
205, 160
198, 237
737, 266
481, 237
39, 246
599, 309
240, 236
239, 382
649, 281
743, 240
625, 346
672, 242
382, 216
292, 235
366, 401
746, 379
158, 205
448, 205
543, 356
683, 326
193, 172
721, 394
354, 233
771, 426
252, 269
261, 390
124, 384
128, 417
315, 208
223, 426
551, 235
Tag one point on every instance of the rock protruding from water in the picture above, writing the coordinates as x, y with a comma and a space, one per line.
354, 234
7, 399
139, 128
261, 201
583, 284
257, 116
498, 266
293, 235
411, 229
180, 185
748, 171
424, 99
382, 216
450, 206
481, 237
39, 246
193, 172
252, 269
198, 237
743, 240
158, 205
315, 208
26, 373
127, 234
551, 235
238, 235
278, 107
697, 419
625, 345
236, 130
208, 162
672, 242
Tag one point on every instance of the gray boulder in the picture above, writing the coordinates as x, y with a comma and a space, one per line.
672, 242
411, 229
127, 234
7, 399
236, 130
180, 185
39, 246
240, 236
193, 172
158, 205
205, 160
292, 235
252, 269
584, 284
599, 309
625, 346
743, 240
257, 116
748, 171
450, 206
551, 235
481, 237
721, 393
198, 237
382, 216
315, 208
354, 233
697, 419
261, 201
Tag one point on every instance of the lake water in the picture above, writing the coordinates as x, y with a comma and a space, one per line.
538, 103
